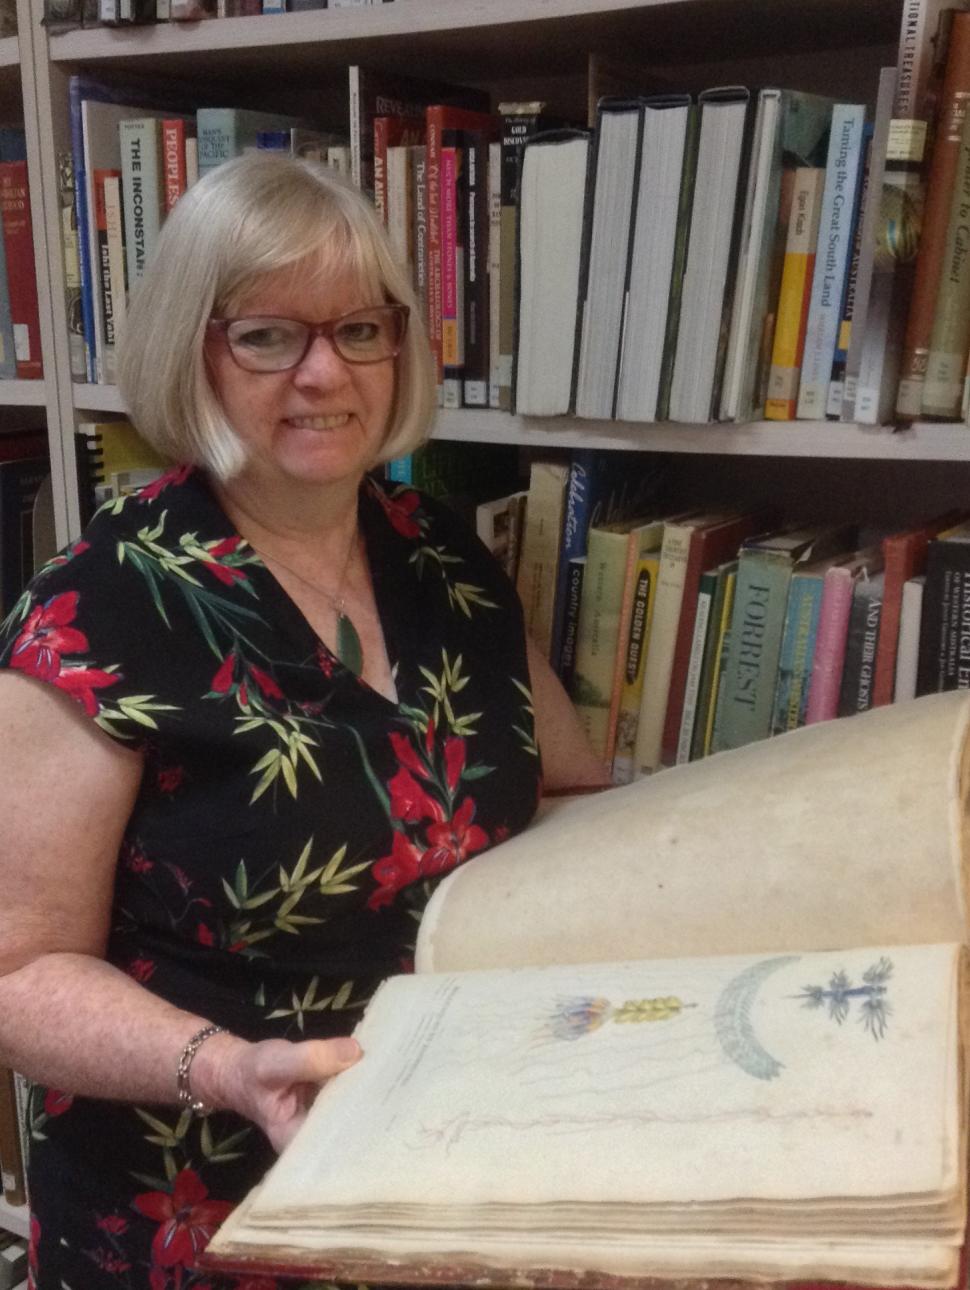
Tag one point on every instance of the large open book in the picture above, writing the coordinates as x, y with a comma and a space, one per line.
715, 1029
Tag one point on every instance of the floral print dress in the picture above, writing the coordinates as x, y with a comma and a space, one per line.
289, 827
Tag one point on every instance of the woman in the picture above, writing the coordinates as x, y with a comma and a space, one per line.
249, 719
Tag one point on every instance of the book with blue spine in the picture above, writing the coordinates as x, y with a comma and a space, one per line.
832, 257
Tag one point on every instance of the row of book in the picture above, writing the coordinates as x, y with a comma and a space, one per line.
134, 168
683, 634
135, 148
67, 14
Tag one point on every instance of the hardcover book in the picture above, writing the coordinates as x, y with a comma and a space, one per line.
18, 244
646, 1070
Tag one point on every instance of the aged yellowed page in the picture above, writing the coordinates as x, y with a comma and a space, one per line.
792, 1111
846, 833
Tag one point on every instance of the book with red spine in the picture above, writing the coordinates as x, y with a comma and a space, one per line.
391, 132
174, 133
904, 555
18, 241
710, 546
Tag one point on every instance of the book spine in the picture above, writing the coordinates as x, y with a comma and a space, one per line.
751, 670
217, 134
674, 554
75, 99
833, 405
475, 377
539, 561
400, 220
946, 360
419, 203
797, 654
516, 128
191, 161
575, 528
685, 205
831, 258
692, 684
114, 221
8, 348
109, 372
72, 278
794, 294
860, 649
944, 652
637, 642
596, 642
141, 172
575, 572
826, 682
452, 271
173, 152
494, 269
21, 280
904, 555
907, 654
936, 213
381, 132
434, 261
707, 690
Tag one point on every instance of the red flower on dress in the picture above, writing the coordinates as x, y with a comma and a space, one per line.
454, 760
108, 1261
141, 969
400, 511
204, 935
222, 680
407, 755
325, 661
76, 548
177, 475
32, 1244
453, 842
56, 1102
81, 682
410, 802
187, 1219
226, 573
265, 682
135, 859
395, 871
46, 636
169, 778
113, 1224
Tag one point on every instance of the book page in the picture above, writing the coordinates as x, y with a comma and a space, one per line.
794, 1093
846, 833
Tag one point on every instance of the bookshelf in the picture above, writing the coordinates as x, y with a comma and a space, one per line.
508, 46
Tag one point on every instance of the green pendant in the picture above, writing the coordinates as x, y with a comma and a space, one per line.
349, 649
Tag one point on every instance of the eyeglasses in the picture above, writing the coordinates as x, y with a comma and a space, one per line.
267, 344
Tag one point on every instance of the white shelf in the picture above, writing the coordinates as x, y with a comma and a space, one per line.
22, 394
15, 1218
10, 52
922, 442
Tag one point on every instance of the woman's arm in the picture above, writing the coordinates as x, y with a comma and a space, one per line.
68, 1018
568, 761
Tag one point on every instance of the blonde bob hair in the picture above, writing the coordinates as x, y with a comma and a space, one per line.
257, 215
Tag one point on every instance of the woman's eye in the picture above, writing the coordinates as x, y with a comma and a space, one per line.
264, 337
358, 333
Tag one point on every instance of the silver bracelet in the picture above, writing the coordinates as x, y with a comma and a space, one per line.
183, 1087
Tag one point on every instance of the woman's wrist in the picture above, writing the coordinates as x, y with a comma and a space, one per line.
202, 1065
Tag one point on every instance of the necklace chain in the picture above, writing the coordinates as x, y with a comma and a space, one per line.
349, 649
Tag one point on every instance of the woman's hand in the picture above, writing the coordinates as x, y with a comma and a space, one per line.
272, 1083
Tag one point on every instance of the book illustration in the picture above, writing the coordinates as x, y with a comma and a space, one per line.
840, 992
582, 1014
732, 1019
